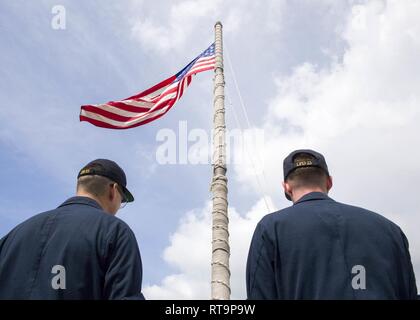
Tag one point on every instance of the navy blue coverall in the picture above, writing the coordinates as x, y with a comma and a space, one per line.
319, 249
94, 254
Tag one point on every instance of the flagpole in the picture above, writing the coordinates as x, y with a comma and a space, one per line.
220, 280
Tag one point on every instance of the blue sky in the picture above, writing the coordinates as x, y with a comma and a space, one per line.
320, 74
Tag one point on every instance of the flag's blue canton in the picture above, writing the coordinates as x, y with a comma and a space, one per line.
207, 53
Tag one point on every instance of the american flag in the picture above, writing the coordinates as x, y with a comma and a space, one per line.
150, 104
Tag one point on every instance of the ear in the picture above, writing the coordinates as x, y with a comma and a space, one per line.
329, 183
112, 191
287, 188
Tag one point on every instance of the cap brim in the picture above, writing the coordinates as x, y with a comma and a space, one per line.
127, 194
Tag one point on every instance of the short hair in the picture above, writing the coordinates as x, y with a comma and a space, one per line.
307, 176
94, 184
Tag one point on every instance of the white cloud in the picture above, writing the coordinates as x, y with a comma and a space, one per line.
190, 254
177, 25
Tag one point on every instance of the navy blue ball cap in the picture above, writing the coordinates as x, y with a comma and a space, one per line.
110, 170
290, 163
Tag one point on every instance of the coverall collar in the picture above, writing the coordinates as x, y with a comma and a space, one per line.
81, 200
313, 196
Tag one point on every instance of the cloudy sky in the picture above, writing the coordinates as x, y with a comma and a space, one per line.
341, 77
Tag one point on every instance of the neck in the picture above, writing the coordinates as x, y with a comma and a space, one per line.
299, 193
82, 193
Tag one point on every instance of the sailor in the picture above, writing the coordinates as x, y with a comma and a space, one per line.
322, 249
79, 250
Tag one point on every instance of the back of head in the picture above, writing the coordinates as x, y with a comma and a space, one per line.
104, 181
307, 176
93, 184
305, 171
103, 171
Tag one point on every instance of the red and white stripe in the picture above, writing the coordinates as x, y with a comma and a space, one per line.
146, 106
